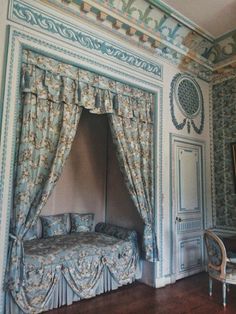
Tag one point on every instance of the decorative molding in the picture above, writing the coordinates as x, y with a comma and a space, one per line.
223, 48
185, 63
144, 38
197, 242
131, 31
117, 24
33, 17
189, 225
159, 185
85, 7
181, 19
186, 94
181, 141
169, 47
196, 179
161, 18
102, 16
211, 222
224, 73
7, 149
155, 19
160, 23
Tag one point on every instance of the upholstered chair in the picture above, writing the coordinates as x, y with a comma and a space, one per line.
220, 267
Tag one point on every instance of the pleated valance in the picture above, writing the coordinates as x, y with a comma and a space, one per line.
56, 81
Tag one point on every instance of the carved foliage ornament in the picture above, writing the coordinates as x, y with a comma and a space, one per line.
186, 103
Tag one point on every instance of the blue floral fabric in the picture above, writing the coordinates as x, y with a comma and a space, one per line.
44, 140
94, 92
54, 225
81, 222
52, 97
118, 232
214, 251
80, 258
32, 233
134, 143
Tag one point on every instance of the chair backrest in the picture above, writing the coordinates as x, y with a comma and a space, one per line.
216, 252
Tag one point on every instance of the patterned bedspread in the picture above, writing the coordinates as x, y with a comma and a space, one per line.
75, 246
80, 258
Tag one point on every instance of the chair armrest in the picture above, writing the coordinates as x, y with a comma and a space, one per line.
116, 231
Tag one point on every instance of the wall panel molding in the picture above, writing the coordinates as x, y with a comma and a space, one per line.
38, 19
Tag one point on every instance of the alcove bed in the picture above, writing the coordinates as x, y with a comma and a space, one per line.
68, 113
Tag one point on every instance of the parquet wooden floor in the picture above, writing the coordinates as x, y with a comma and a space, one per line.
186, 296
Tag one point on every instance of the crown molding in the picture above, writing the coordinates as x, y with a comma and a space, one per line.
88, 24
165, 42
182, 19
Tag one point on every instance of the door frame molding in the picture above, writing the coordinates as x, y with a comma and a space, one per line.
173, 138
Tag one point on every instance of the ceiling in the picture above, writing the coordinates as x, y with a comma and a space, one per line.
216, 17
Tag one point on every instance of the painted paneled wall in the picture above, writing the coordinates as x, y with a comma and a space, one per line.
167, 223
122, 61
224, 123
3, 50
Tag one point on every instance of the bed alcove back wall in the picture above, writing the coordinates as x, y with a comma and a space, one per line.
91, 180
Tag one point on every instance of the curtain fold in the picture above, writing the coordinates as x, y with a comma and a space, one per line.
44, 76
134, 142
53, 94
45, 140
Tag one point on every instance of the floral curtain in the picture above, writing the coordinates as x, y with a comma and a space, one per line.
84, 88
49, 122
53, 95
134, 143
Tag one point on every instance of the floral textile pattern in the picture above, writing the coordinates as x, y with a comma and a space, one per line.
80, 258
51, 79
134, 142
54, 225
81, 222
44, 140
53, 95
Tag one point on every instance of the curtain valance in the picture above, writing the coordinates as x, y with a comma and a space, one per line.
57, 81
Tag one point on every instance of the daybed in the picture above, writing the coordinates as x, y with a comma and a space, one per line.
61, 269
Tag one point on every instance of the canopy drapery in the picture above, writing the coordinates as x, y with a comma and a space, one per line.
134, 143
53, 94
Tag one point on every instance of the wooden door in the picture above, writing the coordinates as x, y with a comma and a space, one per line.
187, 207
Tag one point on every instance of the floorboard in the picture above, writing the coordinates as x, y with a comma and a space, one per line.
188, 295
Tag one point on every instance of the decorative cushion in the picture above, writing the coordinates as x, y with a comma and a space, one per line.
54, 225
81, 222
116, 231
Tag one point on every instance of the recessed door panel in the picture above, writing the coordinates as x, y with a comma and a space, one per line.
188, 180
187, 207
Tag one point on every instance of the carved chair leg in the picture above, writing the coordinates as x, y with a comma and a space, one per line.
210, 286
224, 293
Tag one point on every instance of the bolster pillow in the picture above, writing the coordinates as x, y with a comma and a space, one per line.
116, 231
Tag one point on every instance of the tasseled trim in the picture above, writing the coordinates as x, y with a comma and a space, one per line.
115, 102
79, 91
98, 99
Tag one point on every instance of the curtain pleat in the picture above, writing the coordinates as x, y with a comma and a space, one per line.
57, 81
46, 137
134, 144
